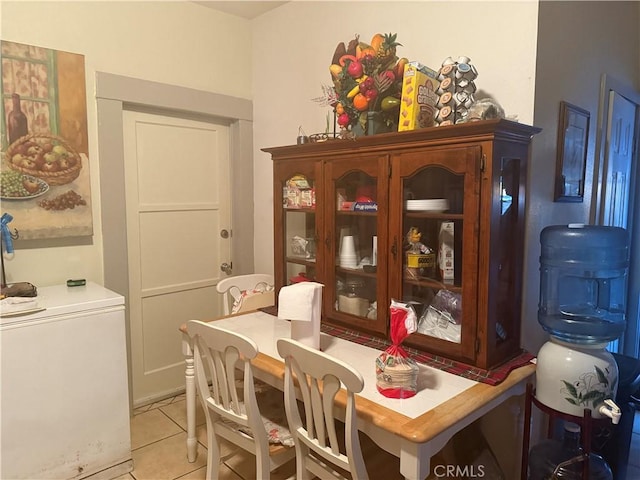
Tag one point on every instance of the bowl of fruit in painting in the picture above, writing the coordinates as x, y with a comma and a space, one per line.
46, 157
16, 185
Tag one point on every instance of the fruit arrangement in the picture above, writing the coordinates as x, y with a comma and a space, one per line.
47, 157
367, 78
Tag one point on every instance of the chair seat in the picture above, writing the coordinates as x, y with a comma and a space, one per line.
243, 293
271, 402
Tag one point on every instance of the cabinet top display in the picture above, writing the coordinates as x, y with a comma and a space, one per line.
483, 130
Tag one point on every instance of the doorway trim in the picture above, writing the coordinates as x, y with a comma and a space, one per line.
631, 340
116, 93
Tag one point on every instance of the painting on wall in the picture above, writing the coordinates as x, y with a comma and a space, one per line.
571, 163
44, 166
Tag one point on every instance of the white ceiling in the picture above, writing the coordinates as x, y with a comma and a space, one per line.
242, 8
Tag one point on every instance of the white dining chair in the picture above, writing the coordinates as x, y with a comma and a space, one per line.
230, 404
316, 439
232, 289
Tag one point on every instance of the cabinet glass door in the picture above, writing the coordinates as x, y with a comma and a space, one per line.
296, 225
435, 251
358, 206
431, 276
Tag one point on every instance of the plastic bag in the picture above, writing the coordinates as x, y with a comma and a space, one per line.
396, 373
442, 318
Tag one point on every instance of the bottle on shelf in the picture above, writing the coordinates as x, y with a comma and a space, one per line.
16, 120
564, 459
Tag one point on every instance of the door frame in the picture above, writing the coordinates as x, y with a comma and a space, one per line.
116, 93
631, 340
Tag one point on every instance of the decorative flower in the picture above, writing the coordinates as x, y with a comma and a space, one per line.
367, 78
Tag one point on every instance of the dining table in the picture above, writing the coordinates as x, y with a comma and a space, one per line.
413, 429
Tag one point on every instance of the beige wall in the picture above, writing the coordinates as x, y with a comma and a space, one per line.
574, 50
292, 58
179, 43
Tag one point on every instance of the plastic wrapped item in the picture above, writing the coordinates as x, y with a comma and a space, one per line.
396, 373
303, 247
484, 109
443, 316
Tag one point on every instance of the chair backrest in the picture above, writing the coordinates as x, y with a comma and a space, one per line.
231, 289
316, 439
218, 354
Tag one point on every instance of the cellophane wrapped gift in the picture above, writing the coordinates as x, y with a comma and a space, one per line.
396, 373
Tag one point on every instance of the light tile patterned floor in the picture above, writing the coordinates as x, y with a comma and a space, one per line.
158, 442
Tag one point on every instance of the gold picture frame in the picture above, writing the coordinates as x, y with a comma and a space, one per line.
571, 163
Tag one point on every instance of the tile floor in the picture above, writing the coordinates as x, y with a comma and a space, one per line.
158, 442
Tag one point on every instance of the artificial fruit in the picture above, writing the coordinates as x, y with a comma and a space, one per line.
355, 69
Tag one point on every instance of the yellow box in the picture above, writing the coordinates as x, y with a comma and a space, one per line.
419, 100
421, 260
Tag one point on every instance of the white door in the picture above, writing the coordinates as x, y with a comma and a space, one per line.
176, 179
618, 161
617, 196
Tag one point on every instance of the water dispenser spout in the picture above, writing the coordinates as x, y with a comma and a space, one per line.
611, 410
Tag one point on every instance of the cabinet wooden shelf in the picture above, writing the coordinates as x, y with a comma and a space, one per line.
466, 275
432, 283
301, 261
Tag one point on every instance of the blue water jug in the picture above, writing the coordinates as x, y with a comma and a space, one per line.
583, 278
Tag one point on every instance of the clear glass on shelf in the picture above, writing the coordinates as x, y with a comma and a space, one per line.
355, 247
432, 250
299, 226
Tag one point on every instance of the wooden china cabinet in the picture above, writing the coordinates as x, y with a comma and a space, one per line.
431, 217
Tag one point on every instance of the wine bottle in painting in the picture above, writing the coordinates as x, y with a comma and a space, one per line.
16, 120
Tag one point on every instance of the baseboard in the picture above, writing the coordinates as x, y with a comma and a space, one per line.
112, 472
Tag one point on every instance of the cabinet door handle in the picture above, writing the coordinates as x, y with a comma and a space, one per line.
394, 247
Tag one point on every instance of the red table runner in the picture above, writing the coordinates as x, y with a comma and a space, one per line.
492, 377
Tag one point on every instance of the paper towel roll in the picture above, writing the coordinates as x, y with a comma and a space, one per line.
301, 303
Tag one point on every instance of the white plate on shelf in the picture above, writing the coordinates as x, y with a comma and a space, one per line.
430, 205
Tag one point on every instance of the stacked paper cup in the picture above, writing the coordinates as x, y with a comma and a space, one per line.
348, 256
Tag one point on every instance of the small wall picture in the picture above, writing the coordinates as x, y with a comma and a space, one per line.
44, 156
573, 134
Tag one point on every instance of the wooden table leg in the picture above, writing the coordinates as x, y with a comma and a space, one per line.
190, 394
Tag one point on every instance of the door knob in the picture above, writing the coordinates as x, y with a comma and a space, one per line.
226, 268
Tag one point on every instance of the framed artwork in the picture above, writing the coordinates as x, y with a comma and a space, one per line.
571, 162
44, 164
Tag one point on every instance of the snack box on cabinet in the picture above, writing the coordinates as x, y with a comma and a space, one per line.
419, 98
297, 193
445, 251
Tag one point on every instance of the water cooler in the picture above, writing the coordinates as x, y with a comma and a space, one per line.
583, 275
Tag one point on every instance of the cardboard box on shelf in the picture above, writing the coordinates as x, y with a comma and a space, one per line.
297, 193
445, 252
422, 264
419, 98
